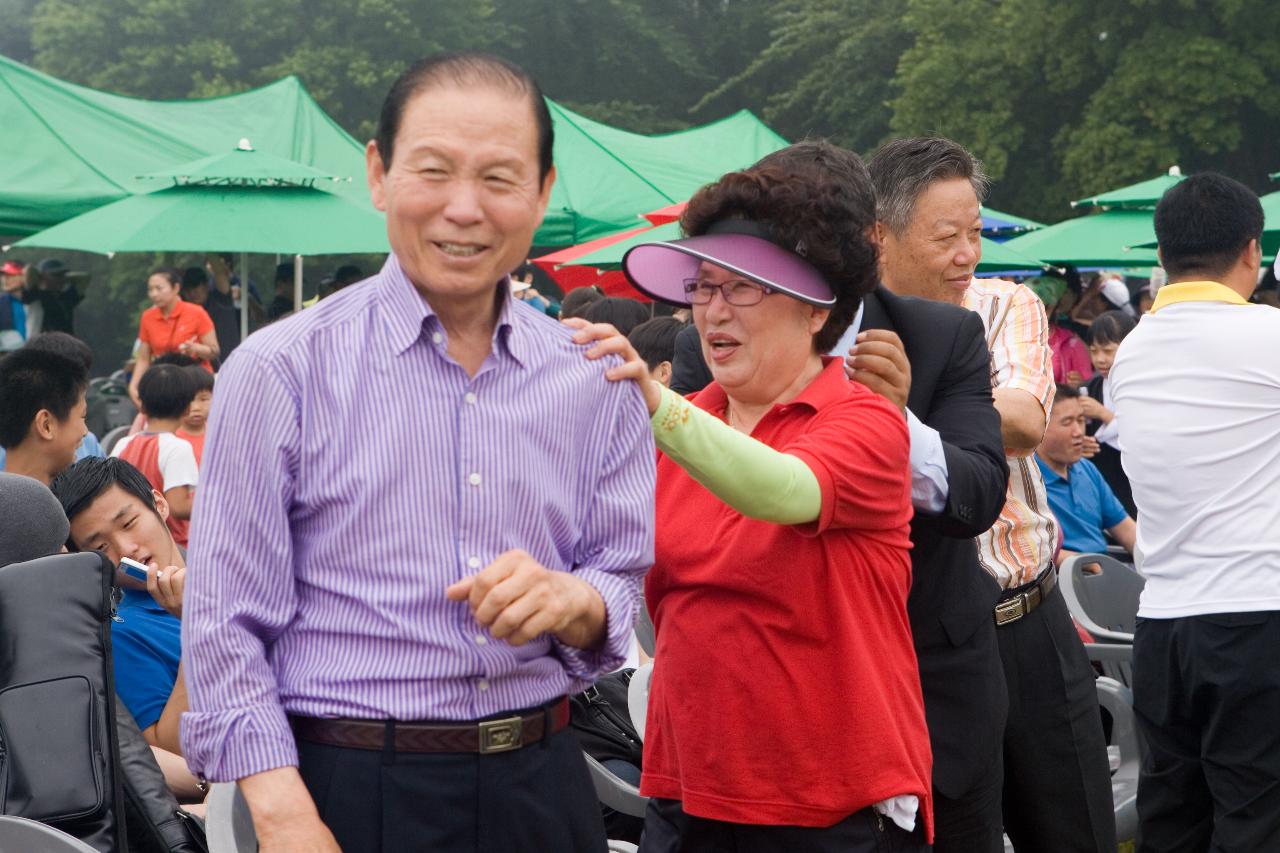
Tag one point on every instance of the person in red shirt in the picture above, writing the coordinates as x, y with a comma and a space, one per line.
785, 710
171, 325
197, 414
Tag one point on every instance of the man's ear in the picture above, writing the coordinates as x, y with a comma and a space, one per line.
375, 174
162, 505
43, 425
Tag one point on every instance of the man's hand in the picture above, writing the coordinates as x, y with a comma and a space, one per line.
284, 816
1090, 447
1095, 411
879, 361
166, 585
518, 600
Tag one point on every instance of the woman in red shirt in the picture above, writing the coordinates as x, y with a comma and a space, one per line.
171, 325
785, 710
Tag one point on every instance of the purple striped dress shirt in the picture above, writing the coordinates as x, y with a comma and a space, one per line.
352, 472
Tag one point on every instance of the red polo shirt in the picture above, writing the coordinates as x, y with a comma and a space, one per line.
785, 689
163, 334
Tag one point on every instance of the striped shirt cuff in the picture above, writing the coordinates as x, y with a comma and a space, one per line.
620, 596
223, 746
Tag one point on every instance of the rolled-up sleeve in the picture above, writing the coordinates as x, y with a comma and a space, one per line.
616, 548
240, 588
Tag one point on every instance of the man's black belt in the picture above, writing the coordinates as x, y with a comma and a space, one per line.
1020, 601
484, 737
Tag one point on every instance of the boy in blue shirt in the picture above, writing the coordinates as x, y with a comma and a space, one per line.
113, 509
1080, 498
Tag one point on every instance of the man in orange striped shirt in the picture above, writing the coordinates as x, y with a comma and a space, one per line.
1057, 787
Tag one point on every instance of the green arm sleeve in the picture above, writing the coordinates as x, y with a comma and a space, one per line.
746, 474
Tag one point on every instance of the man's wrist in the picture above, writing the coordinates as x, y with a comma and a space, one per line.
586, 627
277, 797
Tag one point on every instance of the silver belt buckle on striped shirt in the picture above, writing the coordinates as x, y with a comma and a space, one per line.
501, 735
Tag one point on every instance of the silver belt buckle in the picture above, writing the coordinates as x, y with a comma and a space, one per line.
1011, 610
501, 735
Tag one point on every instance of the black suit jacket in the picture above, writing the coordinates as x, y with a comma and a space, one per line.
952, 597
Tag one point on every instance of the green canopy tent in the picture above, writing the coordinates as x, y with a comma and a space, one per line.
607, 176
1097, 240
69, 149
996, 257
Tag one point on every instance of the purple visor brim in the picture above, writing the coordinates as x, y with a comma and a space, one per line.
660, 269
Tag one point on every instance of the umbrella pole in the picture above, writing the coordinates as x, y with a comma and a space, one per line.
244, 295
297, 282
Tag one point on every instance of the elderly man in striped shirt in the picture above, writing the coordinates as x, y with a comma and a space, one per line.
403, 562
1057, 788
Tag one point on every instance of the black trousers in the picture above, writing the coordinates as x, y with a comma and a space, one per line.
667, 829
1206, 695
532, 800
1057, 782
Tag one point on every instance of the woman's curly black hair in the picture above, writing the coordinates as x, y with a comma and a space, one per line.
812, 195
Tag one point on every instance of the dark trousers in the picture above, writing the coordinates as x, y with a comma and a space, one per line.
970, 823
1057, 782
1206, 695
532, 800
667, 829
966, 819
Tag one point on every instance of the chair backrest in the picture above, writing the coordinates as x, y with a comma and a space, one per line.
111, 439
228, 825
29, 836
1105, 602
1118, 702
638, 697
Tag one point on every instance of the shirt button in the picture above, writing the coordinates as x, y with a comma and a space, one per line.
470, 398
474, 562
482, 685
481, 639
474, 479
437, 338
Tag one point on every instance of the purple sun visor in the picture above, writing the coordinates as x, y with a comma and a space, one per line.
739, 246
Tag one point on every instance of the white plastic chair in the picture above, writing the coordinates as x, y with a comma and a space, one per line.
20, 835
228, 825
1118, 701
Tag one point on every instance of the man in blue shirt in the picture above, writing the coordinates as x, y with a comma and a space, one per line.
1080, 498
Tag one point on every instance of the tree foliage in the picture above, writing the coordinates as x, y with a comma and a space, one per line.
1060, 98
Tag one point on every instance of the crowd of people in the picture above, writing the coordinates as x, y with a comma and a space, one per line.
423, 511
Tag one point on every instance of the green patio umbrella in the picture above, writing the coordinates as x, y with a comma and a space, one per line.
996, 257
243, 200
1135, 196
1106, 239
1270, 228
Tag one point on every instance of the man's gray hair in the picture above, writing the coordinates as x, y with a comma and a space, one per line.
904, 168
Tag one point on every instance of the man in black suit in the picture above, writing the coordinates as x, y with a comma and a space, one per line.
931, 360
1056, 793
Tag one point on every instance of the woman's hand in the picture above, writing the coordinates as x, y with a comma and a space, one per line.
609, 341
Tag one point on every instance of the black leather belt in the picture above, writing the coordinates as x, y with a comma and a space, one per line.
1019, 601
484, 737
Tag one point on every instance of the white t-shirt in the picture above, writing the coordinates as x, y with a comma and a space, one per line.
1196, 389
177, 460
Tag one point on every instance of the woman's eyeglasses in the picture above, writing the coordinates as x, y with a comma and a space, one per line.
739, 292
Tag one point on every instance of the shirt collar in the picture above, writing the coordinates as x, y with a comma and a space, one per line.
828, 387
1050, 475
140, 598
1196, 291
408, 315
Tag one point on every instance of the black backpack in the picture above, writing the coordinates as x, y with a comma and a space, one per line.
602, 722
